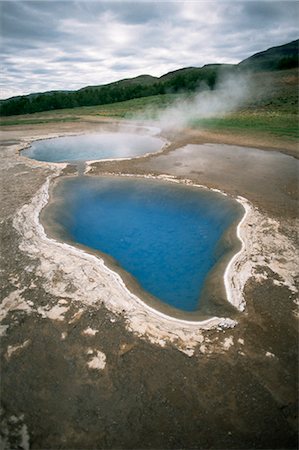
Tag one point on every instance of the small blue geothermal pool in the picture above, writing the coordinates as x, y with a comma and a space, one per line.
96, 146
168, 236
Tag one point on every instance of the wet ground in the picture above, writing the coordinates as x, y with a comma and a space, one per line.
74, 377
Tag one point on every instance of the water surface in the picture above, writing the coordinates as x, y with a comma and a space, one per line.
167, 236
269, 179
96, 146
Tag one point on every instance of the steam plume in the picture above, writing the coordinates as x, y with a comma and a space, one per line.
230, 93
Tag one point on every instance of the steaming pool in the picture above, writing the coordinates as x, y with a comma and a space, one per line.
167, 236
163, 238
95, 146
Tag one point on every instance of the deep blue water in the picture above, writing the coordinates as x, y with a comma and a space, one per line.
90, 147
167, 236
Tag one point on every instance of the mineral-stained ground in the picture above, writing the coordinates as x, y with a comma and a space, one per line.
75, 377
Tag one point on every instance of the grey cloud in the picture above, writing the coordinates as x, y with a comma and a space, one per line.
262, 15
77, 59
145, 12
119, 67
269, 11
69, 44
23, 22
124, 53
40, 71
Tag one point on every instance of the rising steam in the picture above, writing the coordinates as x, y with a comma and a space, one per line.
230, 94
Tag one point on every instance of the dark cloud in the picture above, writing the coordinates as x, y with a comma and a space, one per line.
27, 22
120, 67
50, 44
78, 59
144, 12
264, 12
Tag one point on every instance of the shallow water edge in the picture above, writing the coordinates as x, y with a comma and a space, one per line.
213, 299
108, 145
80, 270
111, 290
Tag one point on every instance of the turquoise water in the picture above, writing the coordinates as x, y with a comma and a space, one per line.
90, 147
167, 236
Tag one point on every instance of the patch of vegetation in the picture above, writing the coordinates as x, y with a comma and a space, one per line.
276, 58
187, 80
280, 125
34, 121
119, 91
272, 109
148, 107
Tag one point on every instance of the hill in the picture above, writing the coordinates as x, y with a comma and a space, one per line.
275, 58
187, 79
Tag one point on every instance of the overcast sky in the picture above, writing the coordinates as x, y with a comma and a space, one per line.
69, 44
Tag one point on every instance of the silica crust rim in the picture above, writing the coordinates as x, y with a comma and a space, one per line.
132, 284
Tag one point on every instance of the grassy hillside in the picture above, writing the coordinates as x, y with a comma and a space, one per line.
122, 110
271, 110
182, 80
142, 86
284, 126
275, 58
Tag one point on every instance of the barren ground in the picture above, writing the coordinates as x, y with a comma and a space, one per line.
75, 377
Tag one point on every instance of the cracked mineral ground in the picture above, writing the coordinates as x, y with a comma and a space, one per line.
77, 375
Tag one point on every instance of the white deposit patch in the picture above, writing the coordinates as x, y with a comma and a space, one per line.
19, 432
227, 343
55, 313
14, 302
13, 348
98, 361
94, 284
3, 329
89, 332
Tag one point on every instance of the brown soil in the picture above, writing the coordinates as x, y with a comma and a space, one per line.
241, 396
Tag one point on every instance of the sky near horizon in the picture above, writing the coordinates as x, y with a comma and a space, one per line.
66, 45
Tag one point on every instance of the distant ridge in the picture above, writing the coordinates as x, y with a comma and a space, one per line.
275, 58
185, 79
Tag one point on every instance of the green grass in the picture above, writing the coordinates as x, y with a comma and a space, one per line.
272, 110
120, 109
33, 121
130, 109
279, 125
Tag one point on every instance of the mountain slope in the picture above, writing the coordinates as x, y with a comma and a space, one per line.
142, 86
186, 79
275, 58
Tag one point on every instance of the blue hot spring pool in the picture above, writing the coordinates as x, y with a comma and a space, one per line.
95, 146
168, 236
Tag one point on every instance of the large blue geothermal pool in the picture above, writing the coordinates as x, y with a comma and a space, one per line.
168, 236
95, 146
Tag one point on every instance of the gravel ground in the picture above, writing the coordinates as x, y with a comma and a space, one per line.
75, 377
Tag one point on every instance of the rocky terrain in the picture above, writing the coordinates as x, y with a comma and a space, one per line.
77, 374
